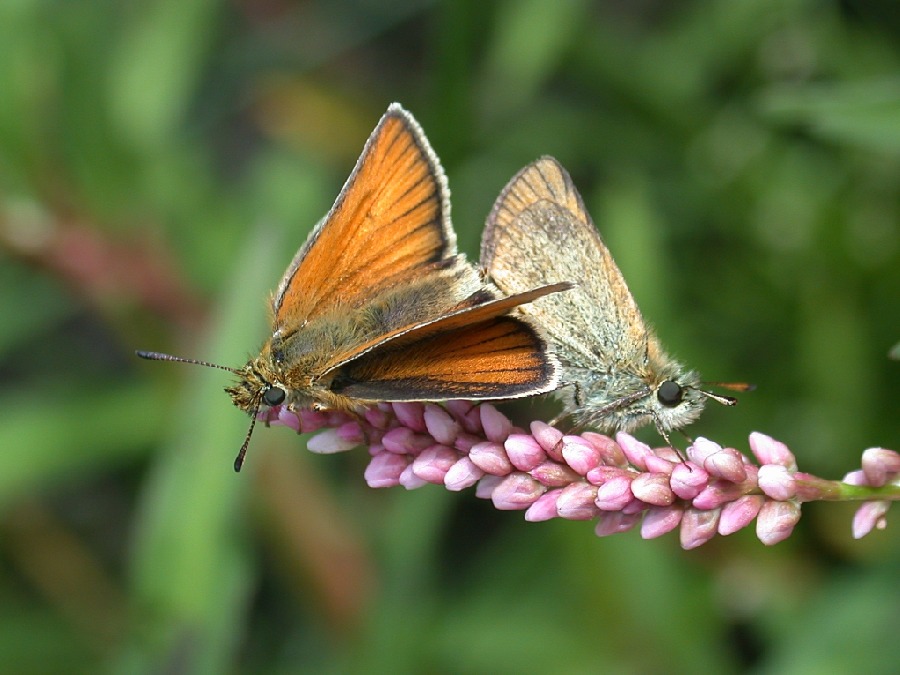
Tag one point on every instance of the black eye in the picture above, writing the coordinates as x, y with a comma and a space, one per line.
670, 393
273, 396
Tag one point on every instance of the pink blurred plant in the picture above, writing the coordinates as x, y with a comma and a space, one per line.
621, 482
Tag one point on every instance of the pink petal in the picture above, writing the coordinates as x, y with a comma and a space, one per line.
738, 514
486, 486
496, 425
433, 463
551, 474
880, 465
610, 452
516, 491
726, 464
410, 480
490, 458
661, 519
524, 452
777, 482
544, 508
653, 489
701, 449
328, 442
769, 451
614, 494
716, 494
576, 502
548, 437
384, 470
411, 415
462, 475
698, 527
635, 451
688, 480
440, 425
404, 441
614, 522
776, 521
579, 454
869, 516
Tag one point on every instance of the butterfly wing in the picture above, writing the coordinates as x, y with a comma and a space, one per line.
540, 232
476, 353
391, 221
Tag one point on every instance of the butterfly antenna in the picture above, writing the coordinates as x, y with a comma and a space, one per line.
159, 356
239, 460
733, 386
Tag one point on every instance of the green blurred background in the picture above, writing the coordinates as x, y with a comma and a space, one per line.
161, 161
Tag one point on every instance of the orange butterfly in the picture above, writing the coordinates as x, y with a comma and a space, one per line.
378, 306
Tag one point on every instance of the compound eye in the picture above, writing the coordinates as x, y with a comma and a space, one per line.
670, 393
273, 396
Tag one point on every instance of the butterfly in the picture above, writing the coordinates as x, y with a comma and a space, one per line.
377, 305
615, 374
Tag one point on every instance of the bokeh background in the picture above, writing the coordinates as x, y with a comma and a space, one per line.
161, 161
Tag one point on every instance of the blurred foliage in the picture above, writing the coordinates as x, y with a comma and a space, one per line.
161, 161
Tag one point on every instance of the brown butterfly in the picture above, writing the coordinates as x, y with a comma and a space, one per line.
616, 375
378, 306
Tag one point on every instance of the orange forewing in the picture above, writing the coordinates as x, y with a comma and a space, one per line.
496, 358
390, 221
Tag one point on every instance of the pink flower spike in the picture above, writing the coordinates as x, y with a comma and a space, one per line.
610, 452
769, 451
524, 452
410, 480
614, 522
869, 516
653, 489
698, 527
516, 491
614, 494
490, 458
544, 508
701, 449
552, 474
576, 502
433, 463
328, 442
660, 519
462, 475
880, 465
777, 482
547, 437
580, 455
440, 424
384, 470
738, 514
726, 464
496, 425
411, 415
486, 486
776, 521
688, 480
635, 451
405, 441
